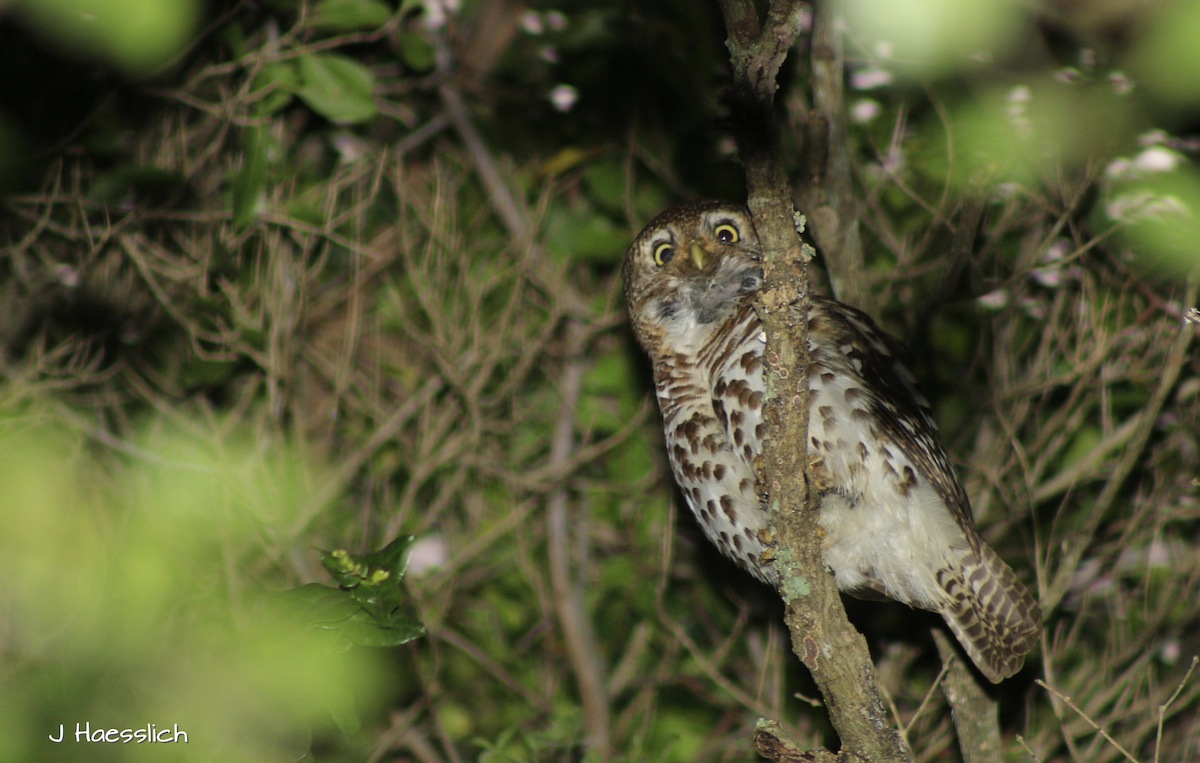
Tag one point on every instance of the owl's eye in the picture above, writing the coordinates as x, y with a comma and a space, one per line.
663, 254
726, 233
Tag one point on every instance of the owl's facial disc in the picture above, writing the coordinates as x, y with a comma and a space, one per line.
691, 267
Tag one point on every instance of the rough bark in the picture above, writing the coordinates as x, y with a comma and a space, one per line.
822, 637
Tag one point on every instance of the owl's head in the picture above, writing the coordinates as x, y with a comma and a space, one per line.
691, 269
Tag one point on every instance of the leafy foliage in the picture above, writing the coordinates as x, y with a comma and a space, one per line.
368, 606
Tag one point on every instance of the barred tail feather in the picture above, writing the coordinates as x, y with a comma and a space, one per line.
991, 613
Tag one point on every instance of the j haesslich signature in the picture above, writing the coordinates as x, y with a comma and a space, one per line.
148, 734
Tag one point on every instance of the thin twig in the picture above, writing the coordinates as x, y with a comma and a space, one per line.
502, 199
1162, 709
1069, 703
497, 671
1069, 563
826, 188
1032, 755
576, 628
578, 636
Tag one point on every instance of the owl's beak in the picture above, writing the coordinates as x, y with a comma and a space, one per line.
698, 255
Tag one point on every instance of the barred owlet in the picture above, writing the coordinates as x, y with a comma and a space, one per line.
896, 520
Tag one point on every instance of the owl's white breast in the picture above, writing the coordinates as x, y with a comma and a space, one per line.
886, 527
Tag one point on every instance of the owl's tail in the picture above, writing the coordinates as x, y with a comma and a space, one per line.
991, 614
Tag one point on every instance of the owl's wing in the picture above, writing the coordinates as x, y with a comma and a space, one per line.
898, 406
991, 613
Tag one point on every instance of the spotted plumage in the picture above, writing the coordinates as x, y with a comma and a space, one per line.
896, 519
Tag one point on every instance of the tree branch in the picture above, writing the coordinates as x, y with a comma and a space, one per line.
578, 635
826, 191
975, 713
822, 637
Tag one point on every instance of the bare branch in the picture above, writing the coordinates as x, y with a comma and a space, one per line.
822, 637
578, 636
975, 713
825, 189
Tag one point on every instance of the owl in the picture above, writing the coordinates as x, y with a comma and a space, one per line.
895, 519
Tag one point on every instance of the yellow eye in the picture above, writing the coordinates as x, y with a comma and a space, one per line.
663, 254
726, 233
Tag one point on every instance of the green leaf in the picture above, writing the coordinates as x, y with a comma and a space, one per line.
579, 232
251, 179
400, 629
234, 38
276, 85
607, 185
1082, 445
1161, 217
1165, 58
308, 202
608, 400
199, 373
139, 36
334, 615
350, 15
368, 607
370, 570
632, 462
320, 606
336, 87
415, 51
